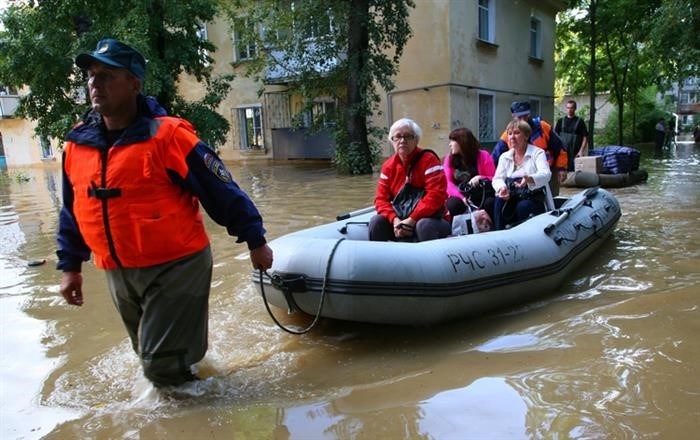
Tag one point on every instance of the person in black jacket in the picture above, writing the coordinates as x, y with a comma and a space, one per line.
573, 133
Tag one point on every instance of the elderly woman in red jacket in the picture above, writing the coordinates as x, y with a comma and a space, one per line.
420, 168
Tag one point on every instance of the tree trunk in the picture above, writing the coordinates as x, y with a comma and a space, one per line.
618, 80
591, 75
156, 11
635, 102
358, 47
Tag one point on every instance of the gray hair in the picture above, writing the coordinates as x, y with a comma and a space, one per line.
521, 125
405, 122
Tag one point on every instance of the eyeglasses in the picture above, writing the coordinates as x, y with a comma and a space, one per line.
406, 137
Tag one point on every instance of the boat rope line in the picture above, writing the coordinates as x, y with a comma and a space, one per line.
279, 282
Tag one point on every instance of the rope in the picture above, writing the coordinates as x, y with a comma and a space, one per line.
320, 303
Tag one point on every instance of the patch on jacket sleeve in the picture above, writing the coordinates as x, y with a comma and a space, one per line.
217, 167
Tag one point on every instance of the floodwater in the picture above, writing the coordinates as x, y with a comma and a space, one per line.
613, 354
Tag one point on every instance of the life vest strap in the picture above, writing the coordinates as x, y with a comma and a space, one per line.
104, 193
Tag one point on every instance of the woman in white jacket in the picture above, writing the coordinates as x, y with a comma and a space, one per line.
521, 178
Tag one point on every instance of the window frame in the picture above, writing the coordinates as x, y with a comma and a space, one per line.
8, 91
321, 108
46, 148
486, 14
535, 107
203, 35
258, 129
251, 49
535, 37
490, 118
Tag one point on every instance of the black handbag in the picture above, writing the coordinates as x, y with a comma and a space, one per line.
478, 194
525, 193
406, 200
408, 197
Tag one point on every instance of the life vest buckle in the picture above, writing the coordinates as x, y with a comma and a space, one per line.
104, 193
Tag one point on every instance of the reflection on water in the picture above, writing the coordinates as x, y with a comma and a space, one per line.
612, 354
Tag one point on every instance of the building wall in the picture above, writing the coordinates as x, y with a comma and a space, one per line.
442, 70
444, 67
22, 147
244, 91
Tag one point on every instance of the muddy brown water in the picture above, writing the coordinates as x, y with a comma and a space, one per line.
612, 354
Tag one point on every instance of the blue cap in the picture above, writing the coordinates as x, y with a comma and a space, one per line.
520, 108
115, 54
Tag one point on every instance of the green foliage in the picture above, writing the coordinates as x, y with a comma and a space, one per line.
18, 176
647, 114
675, 34
211, 126
571, 51
338, 50
350, 158
41, 39
654, 42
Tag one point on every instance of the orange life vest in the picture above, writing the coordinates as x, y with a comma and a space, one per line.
540, 138
129, 212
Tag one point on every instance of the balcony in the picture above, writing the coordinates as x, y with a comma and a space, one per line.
8, 106
289, 68
689, 108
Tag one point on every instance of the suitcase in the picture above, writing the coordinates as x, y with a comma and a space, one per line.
618, 159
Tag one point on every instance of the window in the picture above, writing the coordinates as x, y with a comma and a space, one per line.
487, 114
7, 91
316, 24
535, 108
243, 46
46, 151
322, 113
486, 13
321, 27
202, 36
535, 38
250, 119
9, 101
689, 97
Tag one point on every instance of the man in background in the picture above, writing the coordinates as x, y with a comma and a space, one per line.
573, 133
659, 137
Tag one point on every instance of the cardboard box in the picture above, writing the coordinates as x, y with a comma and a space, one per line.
591, 164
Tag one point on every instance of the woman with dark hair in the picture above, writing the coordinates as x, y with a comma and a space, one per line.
470, 167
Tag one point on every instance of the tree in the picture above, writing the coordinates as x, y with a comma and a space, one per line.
675, 34
576, 32
653, 43
41, 39
341, 50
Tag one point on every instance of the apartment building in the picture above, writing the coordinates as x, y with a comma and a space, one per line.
465, 63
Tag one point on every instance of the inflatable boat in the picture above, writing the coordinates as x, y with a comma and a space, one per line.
612, 166
334, 271
587, 179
